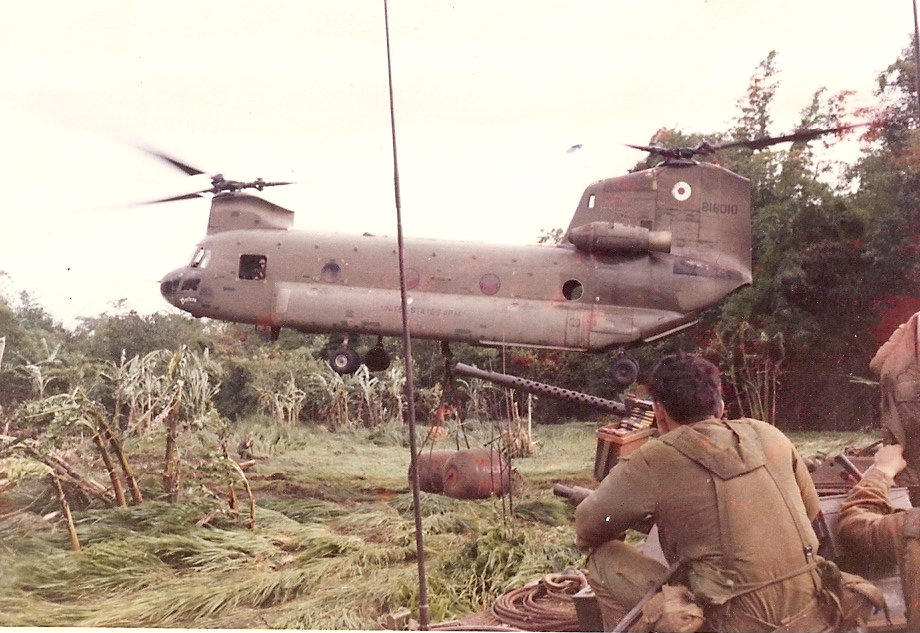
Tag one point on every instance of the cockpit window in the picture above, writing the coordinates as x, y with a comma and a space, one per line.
253, 266
201, 258
190, 284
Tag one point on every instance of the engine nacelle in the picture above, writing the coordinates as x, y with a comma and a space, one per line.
613, 238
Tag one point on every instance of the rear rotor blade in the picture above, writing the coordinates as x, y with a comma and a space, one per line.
646, 148
799, 135
275, 184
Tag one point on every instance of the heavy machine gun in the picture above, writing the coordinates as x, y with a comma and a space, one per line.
614, 440
543, 389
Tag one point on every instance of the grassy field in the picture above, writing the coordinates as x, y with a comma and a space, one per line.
333, 545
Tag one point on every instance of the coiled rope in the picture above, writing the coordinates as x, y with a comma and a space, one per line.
542, 605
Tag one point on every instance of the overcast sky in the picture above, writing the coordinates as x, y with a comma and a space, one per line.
489, 95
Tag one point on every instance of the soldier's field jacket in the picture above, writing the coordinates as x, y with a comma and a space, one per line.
732, 497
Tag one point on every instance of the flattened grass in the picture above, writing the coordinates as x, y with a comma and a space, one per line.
333, 546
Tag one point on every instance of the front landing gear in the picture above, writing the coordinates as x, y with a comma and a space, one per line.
344, 360
624, 370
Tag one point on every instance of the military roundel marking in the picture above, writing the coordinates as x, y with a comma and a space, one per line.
681, 191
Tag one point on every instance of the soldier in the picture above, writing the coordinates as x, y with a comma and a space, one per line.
897, 363
890, 535
868, 521
731, 498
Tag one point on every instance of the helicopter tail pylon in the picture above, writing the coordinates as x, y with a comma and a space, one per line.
704, 209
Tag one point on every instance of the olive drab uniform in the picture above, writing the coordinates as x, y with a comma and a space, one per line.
868, 521
897, 363
735, 500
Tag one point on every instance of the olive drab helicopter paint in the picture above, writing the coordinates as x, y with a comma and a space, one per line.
644, 254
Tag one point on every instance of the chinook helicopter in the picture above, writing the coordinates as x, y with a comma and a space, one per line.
643, 256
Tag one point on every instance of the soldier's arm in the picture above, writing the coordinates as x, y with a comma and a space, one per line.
868, 520
806, 486
622, 500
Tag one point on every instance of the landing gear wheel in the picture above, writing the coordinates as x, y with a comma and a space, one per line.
377, 359
624, 371
344, 360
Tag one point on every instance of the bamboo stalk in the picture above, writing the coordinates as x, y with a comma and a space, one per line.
115, 443
252, 499
65, 509
133, 486
87, 484
170, 463
110, 469
234, 503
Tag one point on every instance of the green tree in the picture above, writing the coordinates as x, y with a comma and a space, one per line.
36, 358
823, 256
889, 184
109, 336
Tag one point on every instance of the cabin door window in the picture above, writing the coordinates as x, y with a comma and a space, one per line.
253, 266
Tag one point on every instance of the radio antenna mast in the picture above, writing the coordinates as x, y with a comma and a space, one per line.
916, 60
407, 353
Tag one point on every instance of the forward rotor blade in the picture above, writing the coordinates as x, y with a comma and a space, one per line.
178, 164
800, 135
186, 196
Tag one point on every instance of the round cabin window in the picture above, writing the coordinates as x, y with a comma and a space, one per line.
331, 272
412, 278
489, 284
572, 290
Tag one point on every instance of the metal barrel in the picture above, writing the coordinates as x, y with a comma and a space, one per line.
542, 389
431, 470
476, 474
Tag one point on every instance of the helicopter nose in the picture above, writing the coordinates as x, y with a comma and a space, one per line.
169, 286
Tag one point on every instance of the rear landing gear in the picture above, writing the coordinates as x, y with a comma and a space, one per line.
377, 358
624, 370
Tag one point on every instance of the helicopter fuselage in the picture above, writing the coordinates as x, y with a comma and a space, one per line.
644, 254
541, 296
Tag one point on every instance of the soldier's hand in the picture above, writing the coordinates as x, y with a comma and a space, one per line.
890, 459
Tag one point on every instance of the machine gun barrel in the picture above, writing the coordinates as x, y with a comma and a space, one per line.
542, 389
